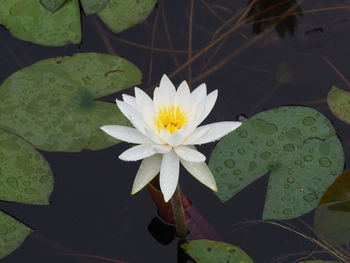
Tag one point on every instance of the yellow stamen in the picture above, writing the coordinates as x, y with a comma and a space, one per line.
171, 118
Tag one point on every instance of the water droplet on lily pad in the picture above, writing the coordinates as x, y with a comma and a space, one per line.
270, 142
230, 163
243, 134
308, 158
325, 162
241, 151
307, 121
290, 180
288, 147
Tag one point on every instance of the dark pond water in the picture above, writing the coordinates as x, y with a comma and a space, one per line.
92, 211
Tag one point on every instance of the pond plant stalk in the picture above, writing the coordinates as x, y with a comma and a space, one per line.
179, 213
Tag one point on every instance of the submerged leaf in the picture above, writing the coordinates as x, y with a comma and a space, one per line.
122, 14
52, 5
29, 20
339, 103
93, 6
297, 145
52, 103
25, 176
332, 217
12, 234
209, 251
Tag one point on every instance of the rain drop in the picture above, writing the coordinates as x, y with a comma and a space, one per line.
270, 142
307, 121
308, 158
290, 180
325, 162
230, 163
288, 147
241, 151
243, 134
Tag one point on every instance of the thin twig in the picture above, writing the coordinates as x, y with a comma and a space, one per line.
340, 75
190, 27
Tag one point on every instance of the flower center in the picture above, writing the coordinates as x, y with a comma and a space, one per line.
170, 117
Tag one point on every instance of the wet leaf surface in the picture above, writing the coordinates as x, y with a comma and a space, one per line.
209, 251
122, 14
298, 146
12, 234
25, 176
57, 23
339, 103
52, 5
93, 6
52, 103
332, 216
29, 20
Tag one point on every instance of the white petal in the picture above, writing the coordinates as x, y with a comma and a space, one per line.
133, 115
153, 137
199, 93
130, 100
167, 85
145, 104
137, 153
169, 174
195, 135
201, 172
160, 98
209, 102
148, 169
124, 133
176, 138
189, 154
161, 148
215, 131
164, 135
183, 96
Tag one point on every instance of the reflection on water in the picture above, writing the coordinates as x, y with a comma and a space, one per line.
277, 14
93, 218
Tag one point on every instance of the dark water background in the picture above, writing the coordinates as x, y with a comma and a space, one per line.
92, 211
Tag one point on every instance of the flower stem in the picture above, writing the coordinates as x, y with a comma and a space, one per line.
179, 213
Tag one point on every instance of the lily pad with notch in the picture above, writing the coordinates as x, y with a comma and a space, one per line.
53, 103
58, 22
297, 145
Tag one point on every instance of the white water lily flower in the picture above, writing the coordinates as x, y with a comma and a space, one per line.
166, 128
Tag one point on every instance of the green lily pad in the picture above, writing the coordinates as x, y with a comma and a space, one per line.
122, 14
25, 176
52, 103
93, 6
298, 146
52, 5
12, 234
57, 22
332, 216
209, 251
29, 20
339, 103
